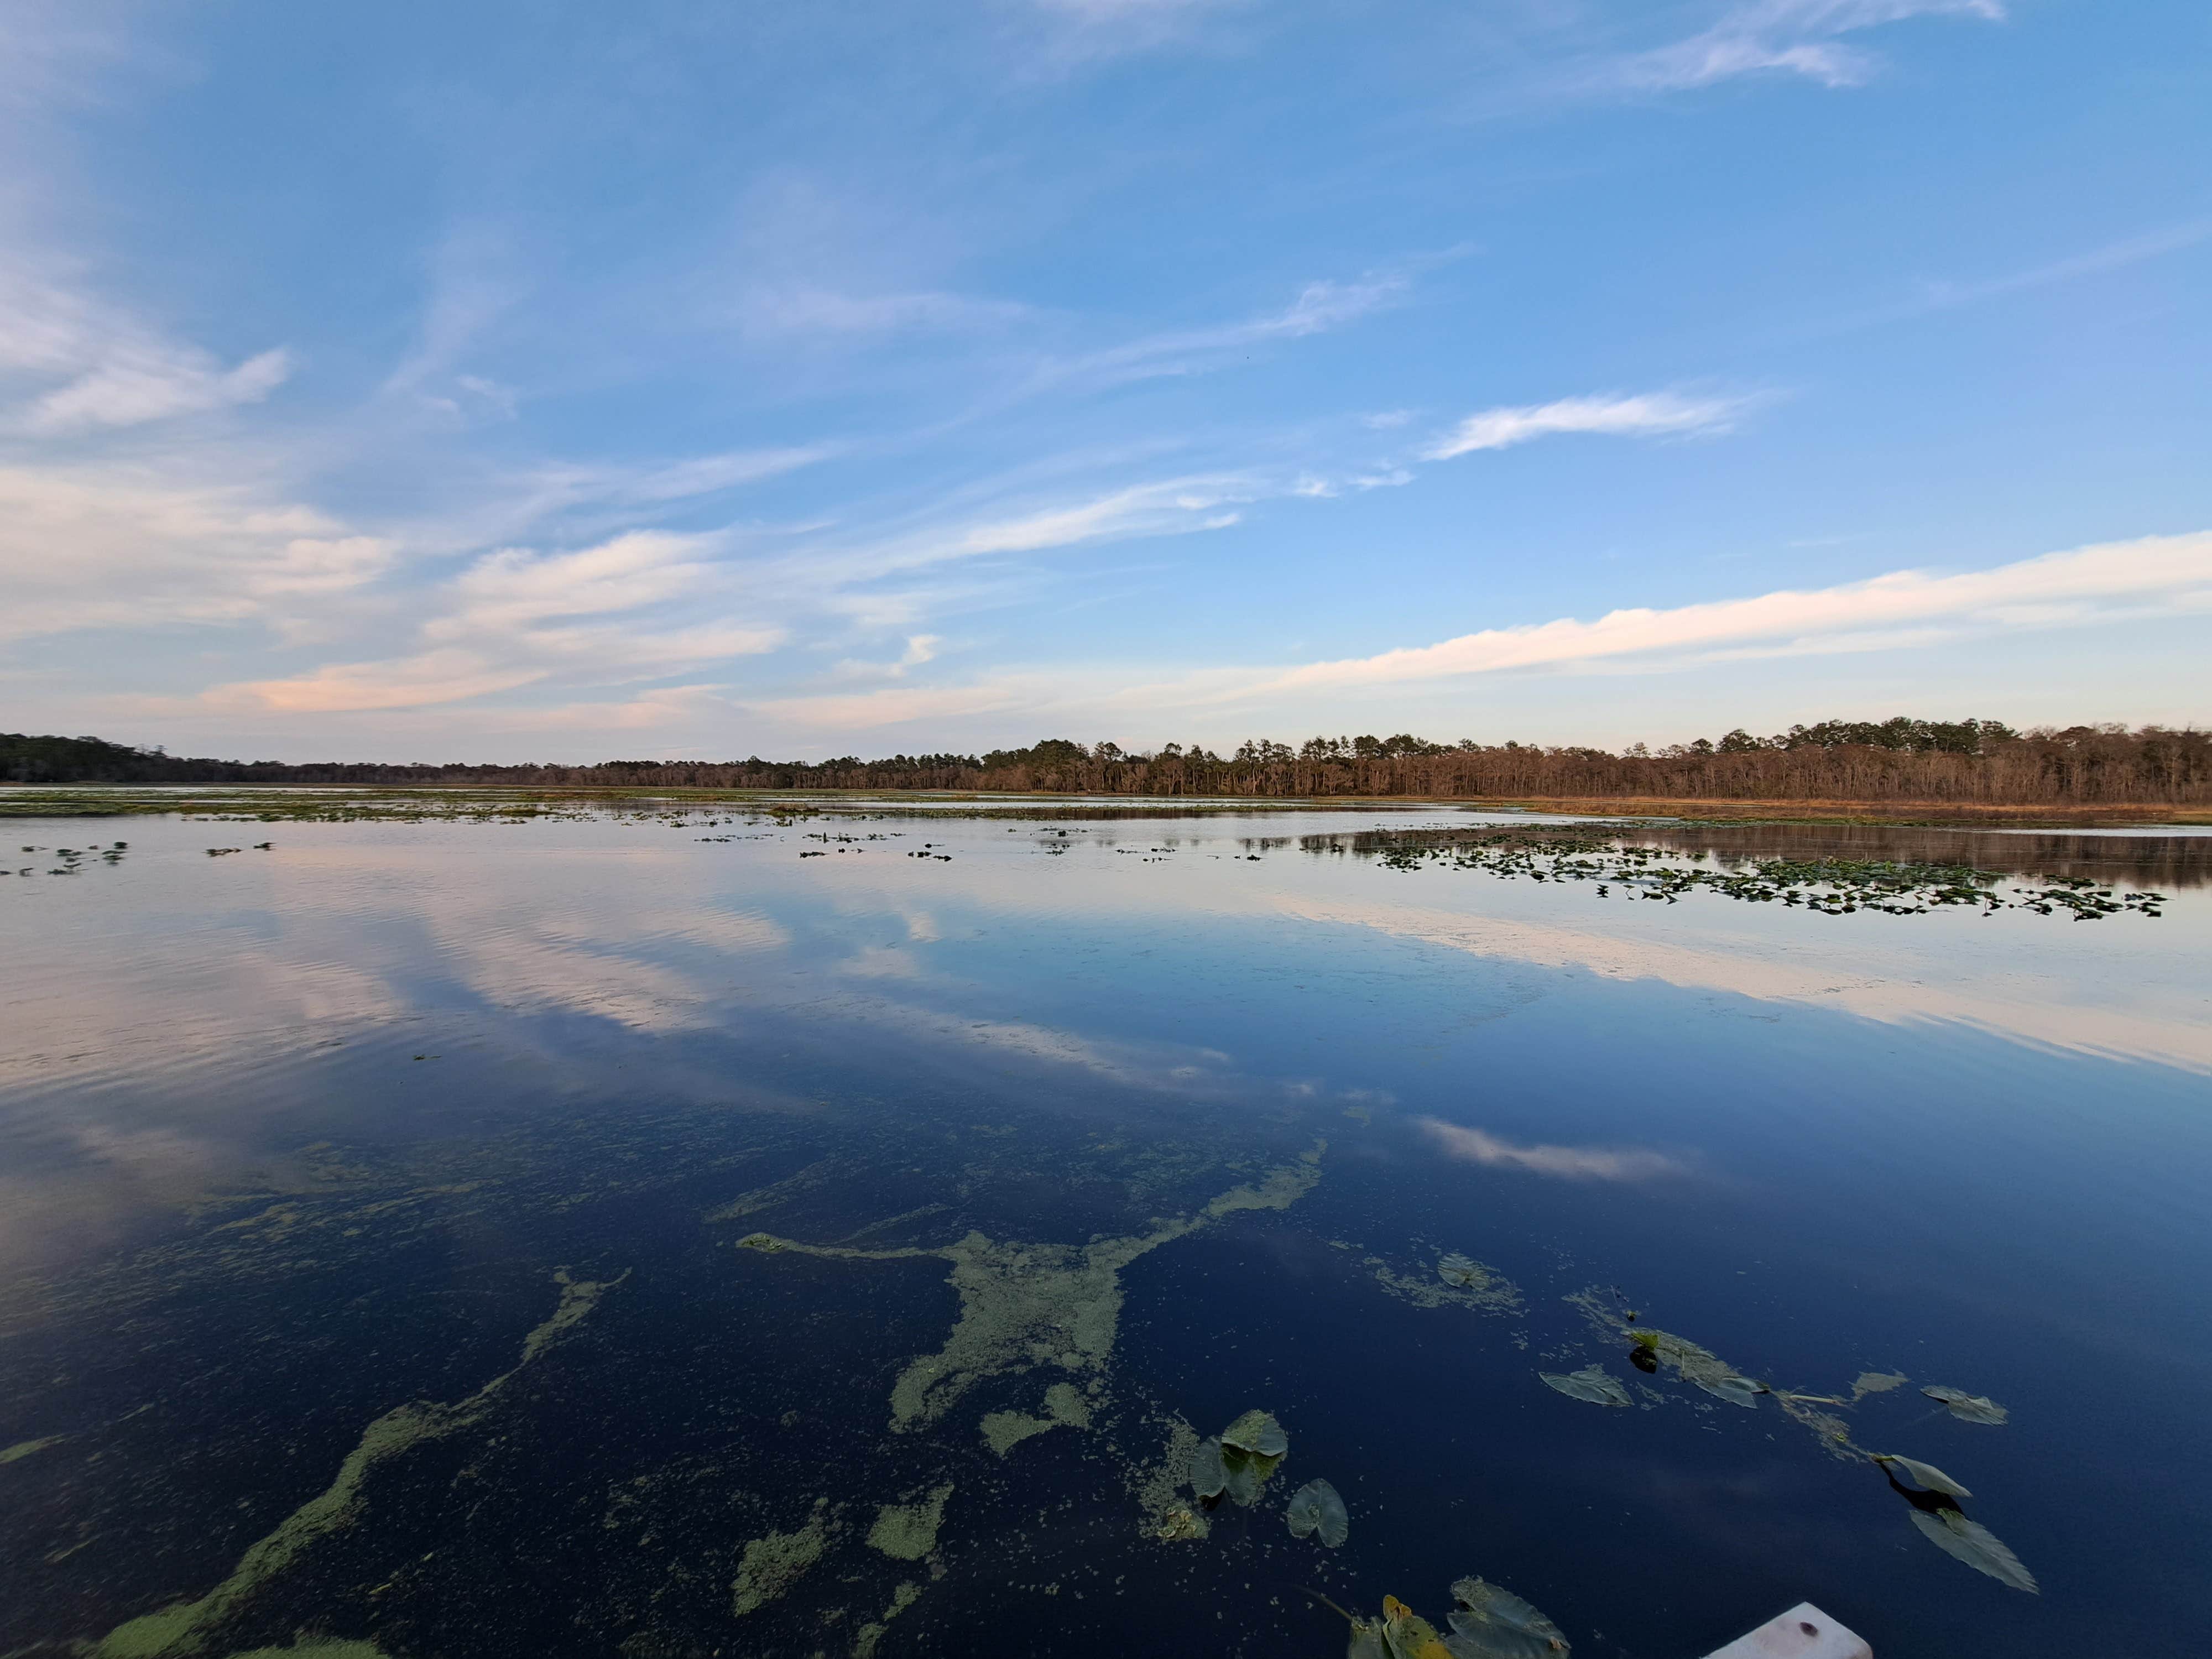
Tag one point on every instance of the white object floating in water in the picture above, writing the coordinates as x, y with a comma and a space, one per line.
1804, 1633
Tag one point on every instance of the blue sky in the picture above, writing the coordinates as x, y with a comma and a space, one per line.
568, 381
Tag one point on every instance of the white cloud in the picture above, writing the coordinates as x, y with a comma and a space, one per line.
115, 369
121, 547
2056, 590
1645, 415
1567, 1163
1792, 36
1157, 509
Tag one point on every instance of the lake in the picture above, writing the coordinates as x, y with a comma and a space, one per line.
719, 1230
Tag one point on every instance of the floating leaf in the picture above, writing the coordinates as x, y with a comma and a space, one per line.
1407, 1635
1925, 1474
1968, 1407
1207, 1477
1456, 1269
1970, 1541
1316, 1507
1591, 1383
1258, 1434
1246, 1473
1877, 1382
1492, 1623
1367, 1640
1736, 1391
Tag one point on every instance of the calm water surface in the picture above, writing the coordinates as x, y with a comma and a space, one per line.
625, 1236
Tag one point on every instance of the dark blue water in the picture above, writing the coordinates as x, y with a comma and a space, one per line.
300, 1146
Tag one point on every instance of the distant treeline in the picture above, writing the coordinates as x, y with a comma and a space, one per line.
1963, 761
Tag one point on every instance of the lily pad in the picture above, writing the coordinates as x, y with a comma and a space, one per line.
1207, 1476
1968, 1407
1258, 1434
1736, 1391
1456, 1269
1246, 1473
1492, 1623
1316, 1507
1591, 1383
1926, 1475
1970, 1541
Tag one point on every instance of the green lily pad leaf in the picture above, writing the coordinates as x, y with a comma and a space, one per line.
1736, 1391
1968, 1407
1492, 1623
1207, 1476
1316, 1507
1926, 1475
1258, 1434
1367, 1641
1591, 1383
1246, 1473
1456, 1269
1970, 1541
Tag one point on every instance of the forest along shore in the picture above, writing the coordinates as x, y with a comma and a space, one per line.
1903, 770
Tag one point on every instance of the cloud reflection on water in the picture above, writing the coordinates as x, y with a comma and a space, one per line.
1567, 1163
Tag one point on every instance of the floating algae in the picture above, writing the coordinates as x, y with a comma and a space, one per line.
1925, 1474
187, 1627
1592, 1383
1158, 1494
1875, 1382
1968, 1407
26, 1447
1026, 1305
1064, 1408
865, 1640
1459, 1281
908, 1531
770, 1566
1317, 1508
1950, 1531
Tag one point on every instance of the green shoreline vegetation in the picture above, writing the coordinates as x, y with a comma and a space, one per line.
1920, 767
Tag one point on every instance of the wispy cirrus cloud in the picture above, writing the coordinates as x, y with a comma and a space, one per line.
1565, 1162
1649, 414
1791, 37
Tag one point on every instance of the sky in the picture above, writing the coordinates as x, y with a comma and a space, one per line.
570, 382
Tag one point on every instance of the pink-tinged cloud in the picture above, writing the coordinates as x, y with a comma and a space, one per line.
1566, 1163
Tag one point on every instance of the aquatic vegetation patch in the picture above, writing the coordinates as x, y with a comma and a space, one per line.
1456, 1281
1926, 1475
908, 1531
771, 1564
188, 1628
1063, 1408
1592, 1383
1827, 886
865, 1638
1968, 1407
1239, 1461
1487, 1622
1026, 1305
1970, 1541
